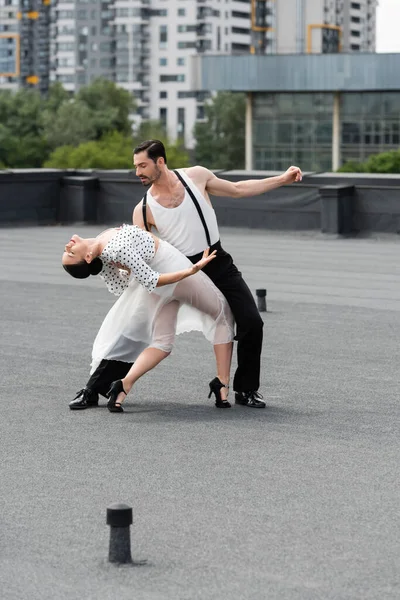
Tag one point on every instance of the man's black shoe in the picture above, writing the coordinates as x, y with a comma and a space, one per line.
85, 398
251, 399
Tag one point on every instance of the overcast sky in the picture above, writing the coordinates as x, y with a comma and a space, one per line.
388, 26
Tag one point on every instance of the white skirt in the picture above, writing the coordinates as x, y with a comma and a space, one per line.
139, 320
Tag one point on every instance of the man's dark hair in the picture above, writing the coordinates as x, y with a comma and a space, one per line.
154, 148
83, 269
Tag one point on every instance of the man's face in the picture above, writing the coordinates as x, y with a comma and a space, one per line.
146, 169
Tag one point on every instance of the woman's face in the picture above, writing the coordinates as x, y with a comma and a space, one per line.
75, 251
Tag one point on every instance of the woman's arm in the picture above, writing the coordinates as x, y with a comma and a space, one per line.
168, 278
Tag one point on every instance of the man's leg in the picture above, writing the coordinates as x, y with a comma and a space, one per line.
99, 383
249, 326
249, 335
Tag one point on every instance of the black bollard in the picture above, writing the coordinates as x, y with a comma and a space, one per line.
261, 300
119, 517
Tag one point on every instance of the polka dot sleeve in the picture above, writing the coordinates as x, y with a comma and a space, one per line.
132, 248
116, 279
140, 270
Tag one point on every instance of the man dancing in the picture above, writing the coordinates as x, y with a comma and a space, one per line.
178, 206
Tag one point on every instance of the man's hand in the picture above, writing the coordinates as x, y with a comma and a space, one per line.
292, 175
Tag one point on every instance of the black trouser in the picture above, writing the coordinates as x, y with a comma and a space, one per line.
249, 328
249, 325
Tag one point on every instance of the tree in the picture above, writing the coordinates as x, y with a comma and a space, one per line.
220, 140
97, 109
385, 162
22, 140
56, 97
110, 105
352, 166
72, 124
113, 151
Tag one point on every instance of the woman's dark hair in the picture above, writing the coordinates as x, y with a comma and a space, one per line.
83, 269
154, 148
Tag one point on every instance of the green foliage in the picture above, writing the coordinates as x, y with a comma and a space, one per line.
113, 151
90, 130
385, 162
71, 125
220, 140
110, 106
56, 97
352, 167
97, 109
22, 142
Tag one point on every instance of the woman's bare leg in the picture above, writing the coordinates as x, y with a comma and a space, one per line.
146, 361
223, 358
163, 337
199, 292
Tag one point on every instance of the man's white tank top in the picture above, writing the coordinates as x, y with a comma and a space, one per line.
181, 226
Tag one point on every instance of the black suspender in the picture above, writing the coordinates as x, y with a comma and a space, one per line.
193, 197
144, 212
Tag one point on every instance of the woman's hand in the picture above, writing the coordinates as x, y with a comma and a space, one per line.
120, 266
168, 278
206, 258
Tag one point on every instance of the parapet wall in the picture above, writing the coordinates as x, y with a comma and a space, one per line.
330, 202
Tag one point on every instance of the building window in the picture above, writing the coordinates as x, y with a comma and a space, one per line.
291, 127
163, 37
240, 15
355, 33
181, 12
166, 78
200, 113
242, 30
355, 47
355, 19
356, 5
180, 62
188, 28
163, 115
163, 62
181, 122
163, 95
182, 45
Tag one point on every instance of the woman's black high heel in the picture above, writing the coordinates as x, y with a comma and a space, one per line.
215, 388
113, 393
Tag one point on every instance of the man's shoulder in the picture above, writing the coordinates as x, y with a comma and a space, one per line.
197, 172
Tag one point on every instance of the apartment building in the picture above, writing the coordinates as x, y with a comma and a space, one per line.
9, 44
145, 47
25, 44
313, 26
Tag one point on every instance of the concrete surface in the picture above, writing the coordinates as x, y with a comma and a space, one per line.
296, 502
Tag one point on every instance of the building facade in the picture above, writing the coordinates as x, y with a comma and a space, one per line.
25, 44
313, 26
145, 47
318, 111
9, 44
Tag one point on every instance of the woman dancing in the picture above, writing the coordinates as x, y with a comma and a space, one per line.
161, 293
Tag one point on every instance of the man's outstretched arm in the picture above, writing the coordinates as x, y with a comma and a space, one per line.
249, 187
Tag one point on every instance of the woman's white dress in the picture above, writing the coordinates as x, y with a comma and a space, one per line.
146, 315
